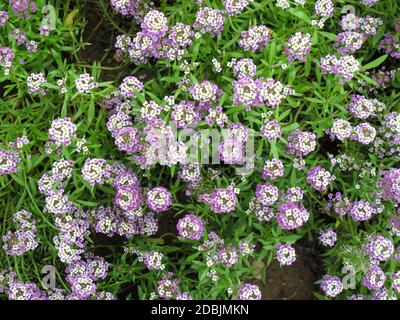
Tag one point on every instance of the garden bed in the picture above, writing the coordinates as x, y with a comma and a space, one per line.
213, 150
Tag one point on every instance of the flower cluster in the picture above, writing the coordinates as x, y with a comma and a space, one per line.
209, 20
24, 238
3, 17
298, 46
255, 38
23, 8
128, 7
374, 278
244, 67
292, 216
94, 171
222, 200
273, 169
158, 199
35, 83
251, 93
301, 143
362, 107
391, 45
85, 83
379, 248
9, 161
286, 254
328, 237
319, 178
205, 91
267, 194
361, 210
191, 227
248, 291
156, 40
349, 42
234, 7
345, 67
341, 130
62, 131
6, 59
331, 285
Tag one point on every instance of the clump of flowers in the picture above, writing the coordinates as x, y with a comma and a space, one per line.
159, 199
23, 8
369, 3
301, 143
167, 287
379, 248
191, 227
298, 46
255, 38
248, 291
349, 42
3, 17
286, 254
94, 171
227, 255
292, 216
341, 130
271, 130
129, 85
361, 107
344, 67
364, 133
273, 169
267, 194
389, 184
361, 210
155, 24
6, 59
209, 20
328, 237
244, 67
62, 131
205, 91
374, 278
128, 197
85, 83
185, 114
128, 7
331, 285
35, 82
319, 178
9, 161
234, 7
391, 45
24, 238
222, 200
324, 8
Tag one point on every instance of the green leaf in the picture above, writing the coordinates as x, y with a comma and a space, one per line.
330, 36
91, 111
375, 63
300, 14
274, 149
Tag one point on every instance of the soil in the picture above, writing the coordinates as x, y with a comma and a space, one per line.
105, 245
328, 146
295, 282
100, 36
167, 227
